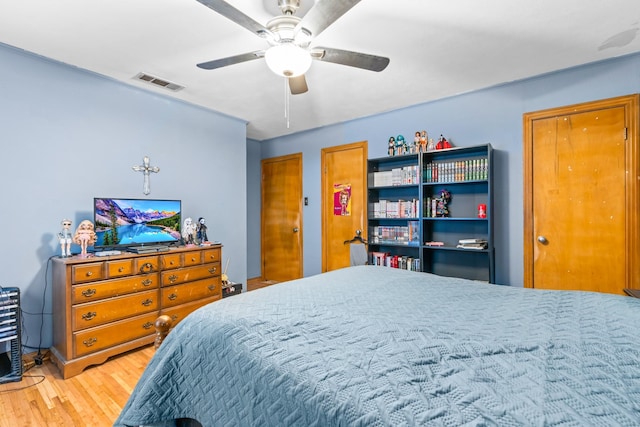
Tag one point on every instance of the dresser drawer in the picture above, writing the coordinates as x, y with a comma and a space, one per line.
180, 312
211, 255
112, 288
98, 313
87, 272
147, 264
95, 339
119, 268
171, 296
170, 261
190, 273
192, 258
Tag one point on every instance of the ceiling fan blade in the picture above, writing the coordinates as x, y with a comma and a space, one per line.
352, 59
298, 85
230, 12
223, 62
324, 13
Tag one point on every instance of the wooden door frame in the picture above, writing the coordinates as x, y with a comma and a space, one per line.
325, 209
632, 165
262, 210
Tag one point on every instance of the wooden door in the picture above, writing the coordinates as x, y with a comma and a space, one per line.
282, 218
581, 201
343, 167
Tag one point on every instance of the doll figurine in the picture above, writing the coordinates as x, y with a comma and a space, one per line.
189, 232
202, 231
431, 146
442, 209
423, 141
85, 236
65, 237
401, 145
392, 146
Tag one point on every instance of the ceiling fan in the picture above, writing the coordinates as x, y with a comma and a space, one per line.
289, 37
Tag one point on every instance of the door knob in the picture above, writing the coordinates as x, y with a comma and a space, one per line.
295, 229
543, 240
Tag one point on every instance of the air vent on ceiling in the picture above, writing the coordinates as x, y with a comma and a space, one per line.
158, 82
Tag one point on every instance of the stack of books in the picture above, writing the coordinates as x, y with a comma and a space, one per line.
477, 244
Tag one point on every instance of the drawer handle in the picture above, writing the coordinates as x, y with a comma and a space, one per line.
89, 316
147, 267
172, 296
147, 282
173, 278
147, 302
89, 273
121, 269
89, 292
212, 287
171, 262
90, 342
212, 270
193, 259
174, 317
148, 325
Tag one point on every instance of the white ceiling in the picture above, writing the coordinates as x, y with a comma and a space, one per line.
437, 48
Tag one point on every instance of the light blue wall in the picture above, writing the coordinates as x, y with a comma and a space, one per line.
254, 179
492, 115
69, 135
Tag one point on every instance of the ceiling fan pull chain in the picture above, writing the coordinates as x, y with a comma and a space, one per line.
286, 101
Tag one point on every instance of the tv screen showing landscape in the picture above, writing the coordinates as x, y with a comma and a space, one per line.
135, 222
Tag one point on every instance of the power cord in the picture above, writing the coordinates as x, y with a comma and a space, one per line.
39, 357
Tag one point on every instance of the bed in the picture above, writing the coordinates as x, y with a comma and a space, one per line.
375, 346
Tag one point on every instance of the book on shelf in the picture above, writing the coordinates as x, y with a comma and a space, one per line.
403, 262
456, 171
465, 241
477, 244
407, 175
472, 247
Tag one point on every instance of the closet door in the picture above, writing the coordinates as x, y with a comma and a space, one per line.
581, 226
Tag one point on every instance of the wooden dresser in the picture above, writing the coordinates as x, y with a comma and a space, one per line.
104, 306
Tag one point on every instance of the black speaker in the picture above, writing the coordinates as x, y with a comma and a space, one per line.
10, 361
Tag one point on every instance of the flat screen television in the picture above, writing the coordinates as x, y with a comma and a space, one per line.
121, 223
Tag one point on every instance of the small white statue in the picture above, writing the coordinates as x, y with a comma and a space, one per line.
65, 237
189, 232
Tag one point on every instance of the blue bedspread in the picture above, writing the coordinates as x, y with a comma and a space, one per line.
374, 346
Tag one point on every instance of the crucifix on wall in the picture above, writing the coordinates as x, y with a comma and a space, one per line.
146, 169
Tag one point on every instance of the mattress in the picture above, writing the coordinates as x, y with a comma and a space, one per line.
376, 346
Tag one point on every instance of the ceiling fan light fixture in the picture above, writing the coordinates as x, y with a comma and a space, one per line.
287, 60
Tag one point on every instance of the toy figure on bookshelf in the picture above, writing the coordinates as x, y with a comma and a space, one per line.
416, 141
431, 146
442, 209
410, 146
401, 145
423, 141
189, 232
392, 146
65, 238
442, 143
202, 231
85, 236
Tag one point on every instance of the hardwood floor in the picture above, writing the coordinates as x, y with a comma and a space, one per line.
257, 283
93, 398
